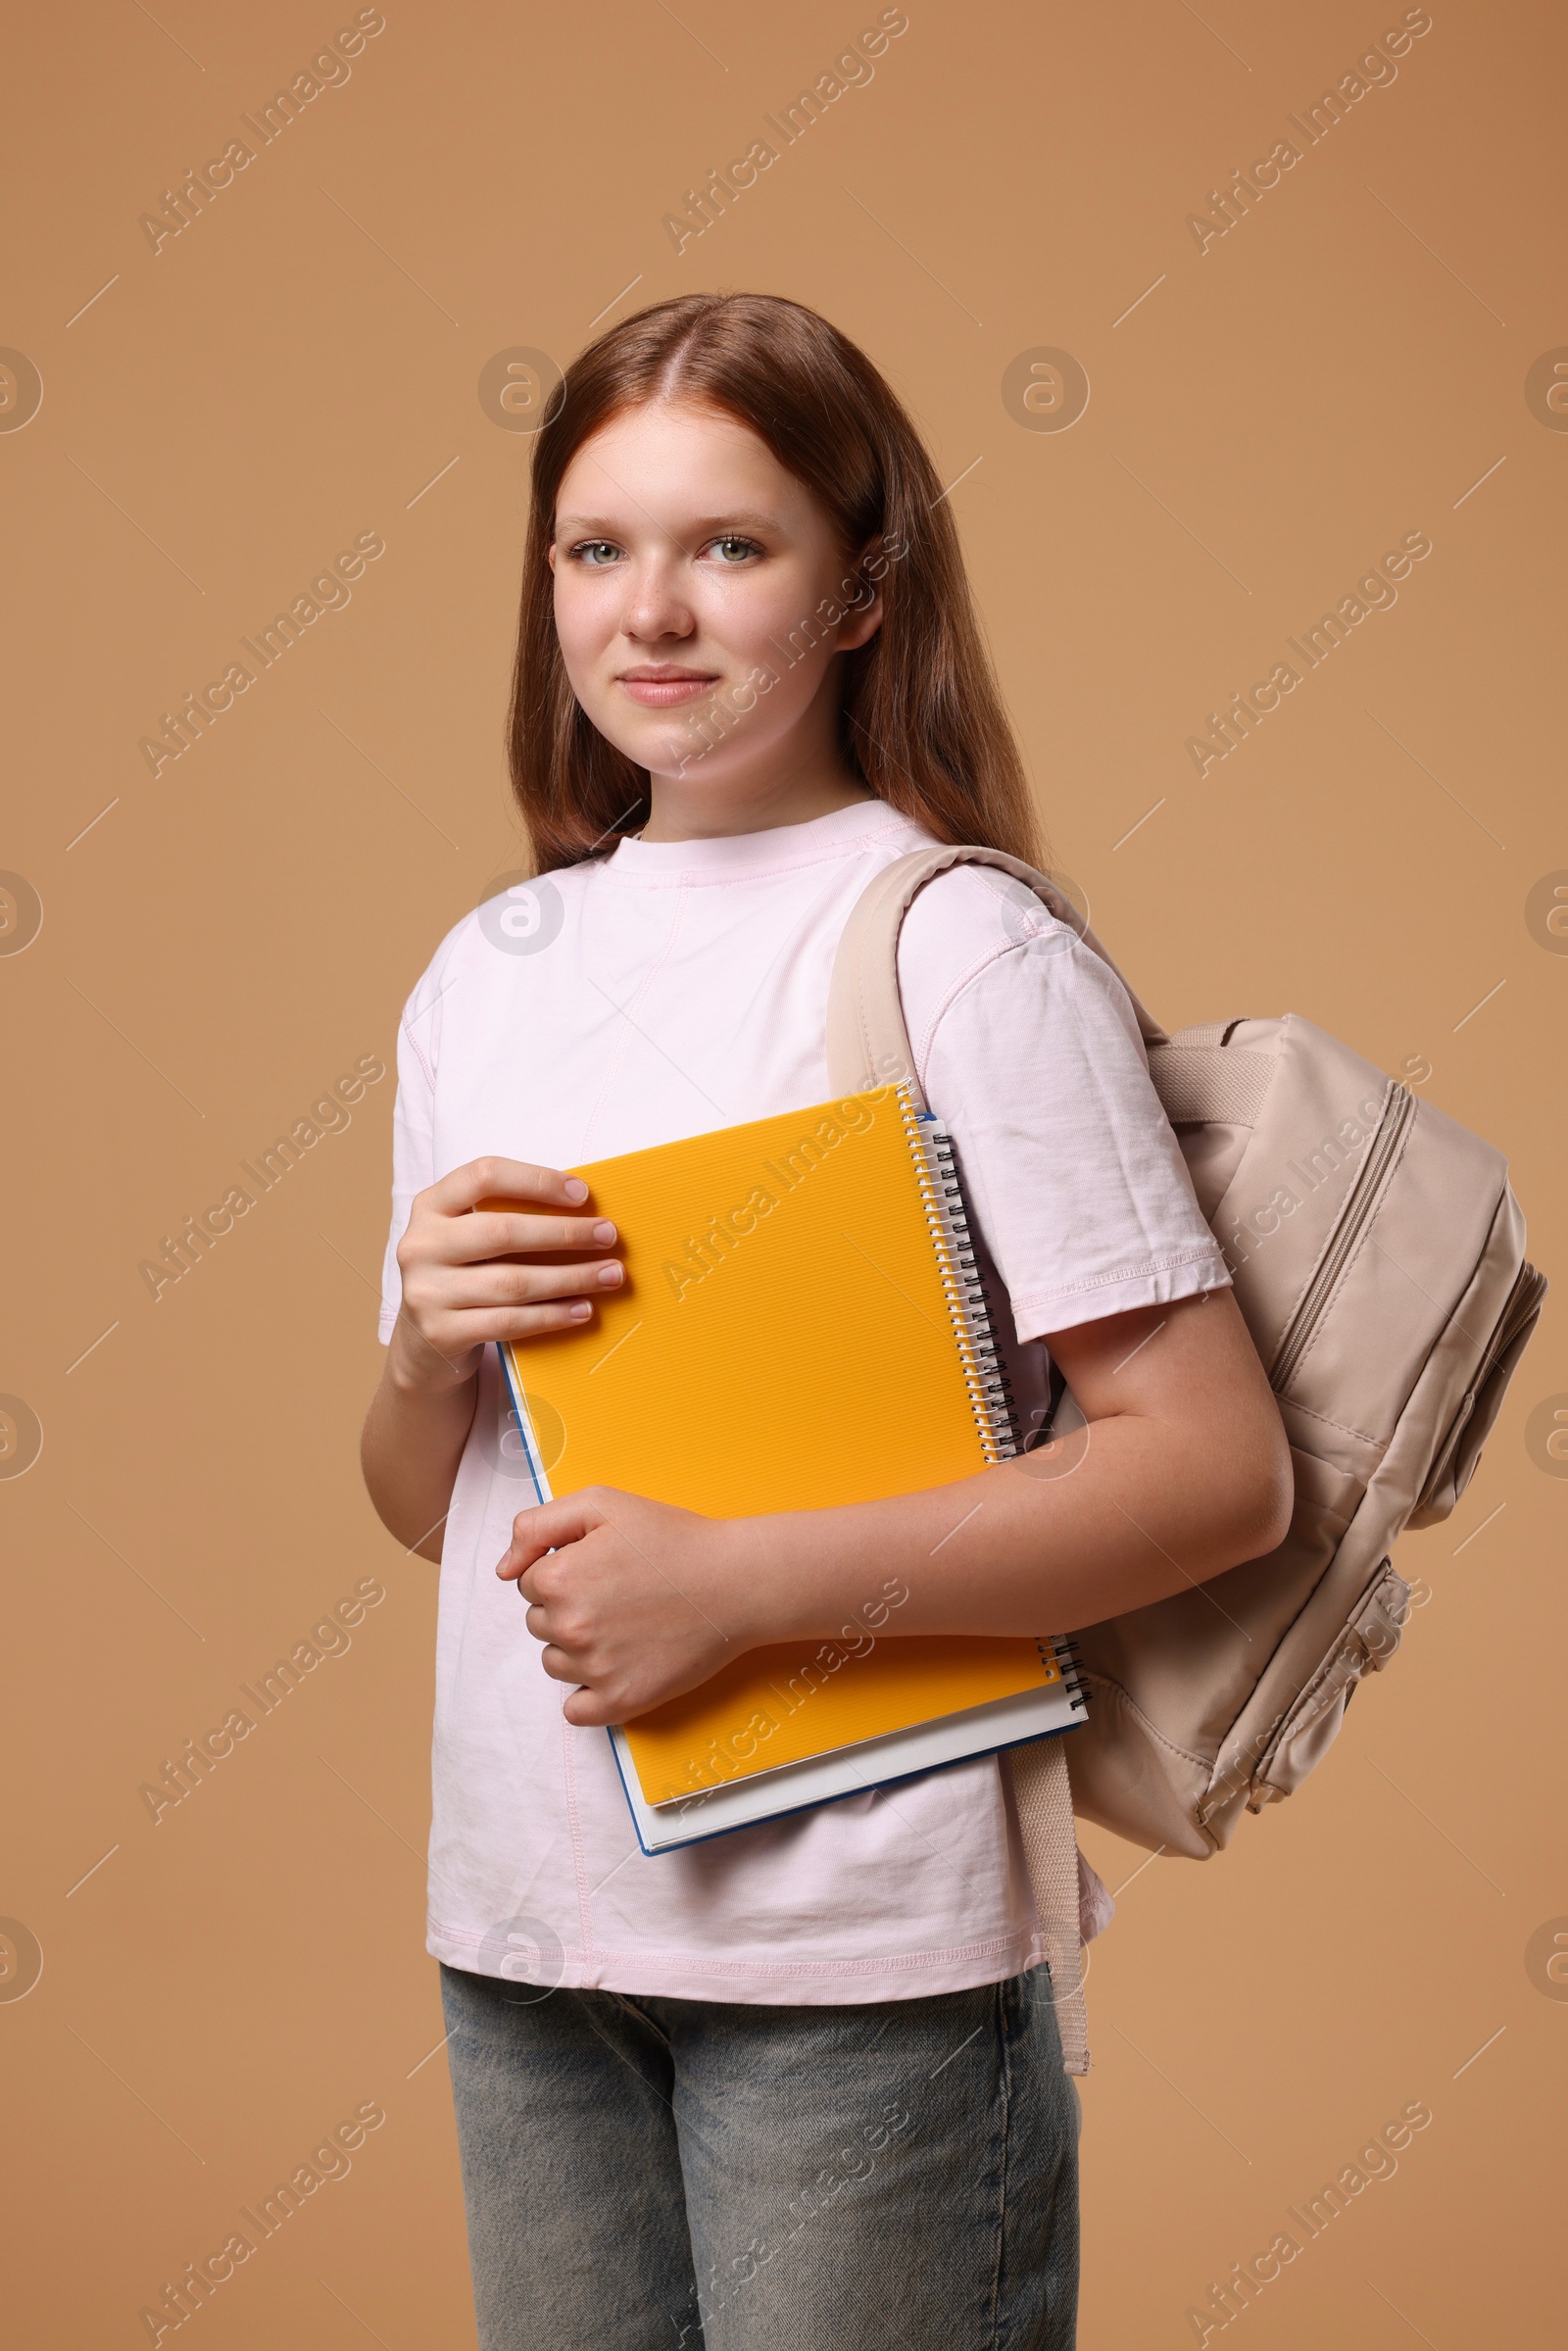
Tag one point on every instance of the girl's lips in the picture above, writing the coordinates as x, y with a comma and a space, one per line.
662, 693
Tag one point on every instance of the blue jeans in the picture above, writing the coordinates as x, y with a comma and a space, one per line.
659, 2175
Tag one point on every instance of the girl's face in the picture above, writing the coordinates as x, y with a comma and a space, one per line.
702, 602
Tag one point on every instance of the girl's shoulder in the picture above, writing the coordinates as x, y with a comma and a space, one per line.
977, 926
982, 905
488, 952
519, 916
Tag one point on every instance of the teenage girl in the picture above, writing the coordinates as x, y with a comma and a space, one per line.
800, 2085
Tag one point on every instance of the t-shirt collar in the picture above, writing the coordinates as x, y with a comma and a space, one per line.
736, 857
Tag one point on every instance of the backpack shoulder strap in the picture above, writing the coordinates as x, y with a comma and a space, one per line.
868, 1043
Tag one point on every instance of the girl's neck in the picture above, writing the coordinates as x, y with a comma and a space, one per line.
690, 809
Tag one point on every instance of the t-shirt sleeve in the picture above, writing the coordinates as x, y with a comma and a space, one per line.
1027, 1045
413, 1127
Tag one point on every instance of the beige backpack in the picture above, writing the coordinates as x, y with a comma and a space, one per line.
1377, 1252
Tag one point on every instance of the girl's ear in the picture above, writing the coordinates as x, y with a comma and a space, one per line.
863, 616
550, 553
861, 624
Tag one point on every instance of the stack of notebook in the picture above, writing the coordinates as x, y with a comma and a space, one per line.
801, 1325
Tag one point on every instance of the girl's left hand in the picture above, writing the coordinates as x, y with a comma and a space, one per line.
635, 1600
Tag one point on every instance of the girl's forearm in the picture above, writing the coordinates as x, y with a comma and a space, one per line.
412, 1445
1106, 1521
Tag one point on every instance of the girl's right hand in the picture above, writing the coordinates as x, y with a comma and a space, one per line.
461, 1284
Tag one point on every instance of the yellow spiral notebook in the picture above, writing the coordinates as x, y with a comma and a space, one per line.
801, 1325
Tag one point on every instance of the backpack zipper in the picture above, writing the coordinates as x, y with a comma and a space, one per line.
1521, 1304
1528, 1288
1361, 1204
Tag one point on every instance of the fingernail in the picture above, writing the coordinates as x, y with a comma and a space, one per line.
575, 1188
610, 1275
605, 1233
580, 1311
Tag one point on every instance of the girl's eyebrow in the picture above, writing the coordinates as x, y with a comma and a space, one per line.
737, 518
702, 527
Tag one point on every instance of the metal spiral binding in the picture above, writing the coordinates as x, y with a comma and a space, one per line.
985, 1374
1066, 1653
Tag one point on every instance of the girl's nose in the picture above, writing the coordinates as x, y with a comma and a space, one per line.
654, 606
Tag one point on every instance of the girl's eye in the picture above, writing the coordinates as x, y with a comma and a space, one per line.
732, 549
594, 552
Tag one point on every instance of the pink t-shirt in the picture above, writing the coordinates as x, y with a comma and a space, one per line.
667, 989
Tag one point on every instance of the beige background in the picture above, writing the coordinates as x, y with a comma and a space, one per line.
301, 364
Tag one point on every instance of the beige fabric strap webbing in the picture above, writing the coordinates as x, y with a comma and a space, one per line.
1203, 1082
1043, 1798
1203, 1032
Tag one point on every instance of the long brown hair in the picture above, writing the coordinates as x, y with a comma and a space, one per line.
922, 724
